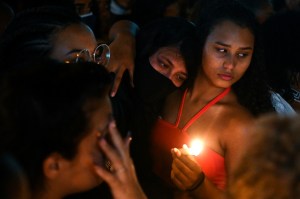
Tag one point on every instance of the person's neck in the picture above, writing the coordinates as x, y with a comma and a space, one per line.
46, 194
203, 90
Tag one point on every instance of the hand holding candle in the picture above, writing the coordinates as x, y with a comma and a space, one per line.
186, 173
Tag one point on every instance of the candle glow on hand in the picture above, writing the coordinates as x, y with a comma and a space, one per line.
196, 147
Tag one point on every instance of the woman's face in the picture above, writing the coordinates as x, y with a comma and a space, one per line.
169, 62
227, 54
79, 172
71, 40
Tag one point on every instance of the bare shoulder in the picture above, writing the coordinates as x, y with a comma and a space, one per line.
234, 138
238, 120
237, 116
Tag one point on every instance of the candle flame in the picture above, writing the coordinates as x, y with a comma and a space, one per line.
196, 147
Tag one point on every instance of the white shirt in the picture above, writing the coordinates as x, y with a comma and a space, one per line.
281, 106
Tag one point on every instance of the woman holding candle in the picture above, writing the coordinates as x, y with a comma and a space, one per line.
225, 94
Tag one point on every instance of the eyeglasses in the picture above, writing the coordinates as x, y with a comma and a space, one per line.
101, 55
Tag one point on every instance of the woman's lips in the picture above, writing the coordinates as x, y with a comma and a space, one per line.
226, 77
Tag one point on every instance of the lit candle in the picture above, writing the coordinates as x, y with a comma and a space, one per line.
195, 148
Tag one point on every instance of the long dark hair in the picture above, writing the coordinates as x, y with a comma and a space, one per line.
252, 89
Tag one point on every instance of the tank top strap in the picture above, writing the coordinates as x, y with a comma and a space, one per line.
204, 109
180, 108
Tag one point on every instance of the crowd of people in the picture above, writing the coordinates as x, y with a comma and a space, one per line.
103, 99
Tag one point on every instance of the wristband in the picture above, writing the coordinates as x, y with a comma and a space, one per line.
197, 184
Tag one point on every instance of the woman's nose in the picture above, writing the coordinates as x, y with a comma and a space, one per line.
229, 62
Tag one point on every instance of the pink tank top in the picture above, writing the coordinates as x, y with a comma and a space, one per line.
166, 136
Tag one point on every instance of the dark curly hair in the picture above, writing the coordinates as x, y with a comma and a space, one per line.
252, 89
43, 110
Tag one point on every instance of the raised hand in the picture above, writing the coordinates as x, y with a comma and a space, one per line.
121, 178
122, 49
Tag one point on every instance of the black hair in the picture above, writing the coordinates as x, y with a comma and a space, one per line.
6, 15
43, 110
164, 32
30, 33
281, 42
252, 89
255, 5
279, 5
145, 11
12, 178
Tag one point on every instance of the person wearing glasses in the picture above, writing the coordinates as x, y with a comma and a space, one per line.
59, 33
56, 121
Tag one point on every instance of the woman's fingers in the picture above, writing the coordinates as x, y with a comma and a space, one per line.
117, 81
185, 171
113, 156
175, 152
118, 142
106, 176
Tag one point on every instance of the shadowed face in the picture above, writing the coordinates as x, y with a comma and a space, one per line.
169, 62
79, 173
71, 40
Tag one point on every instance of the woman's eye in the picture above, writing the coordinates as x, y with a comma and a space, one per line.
181, 77
163, 65
242, 55
221, 50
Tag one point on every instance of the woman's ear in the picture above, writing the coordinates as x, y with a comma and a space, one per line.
51, 165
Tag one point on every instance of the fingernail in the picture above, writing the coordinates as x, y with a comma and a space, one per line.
113, 94
129, 136
185, 146
113, 124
